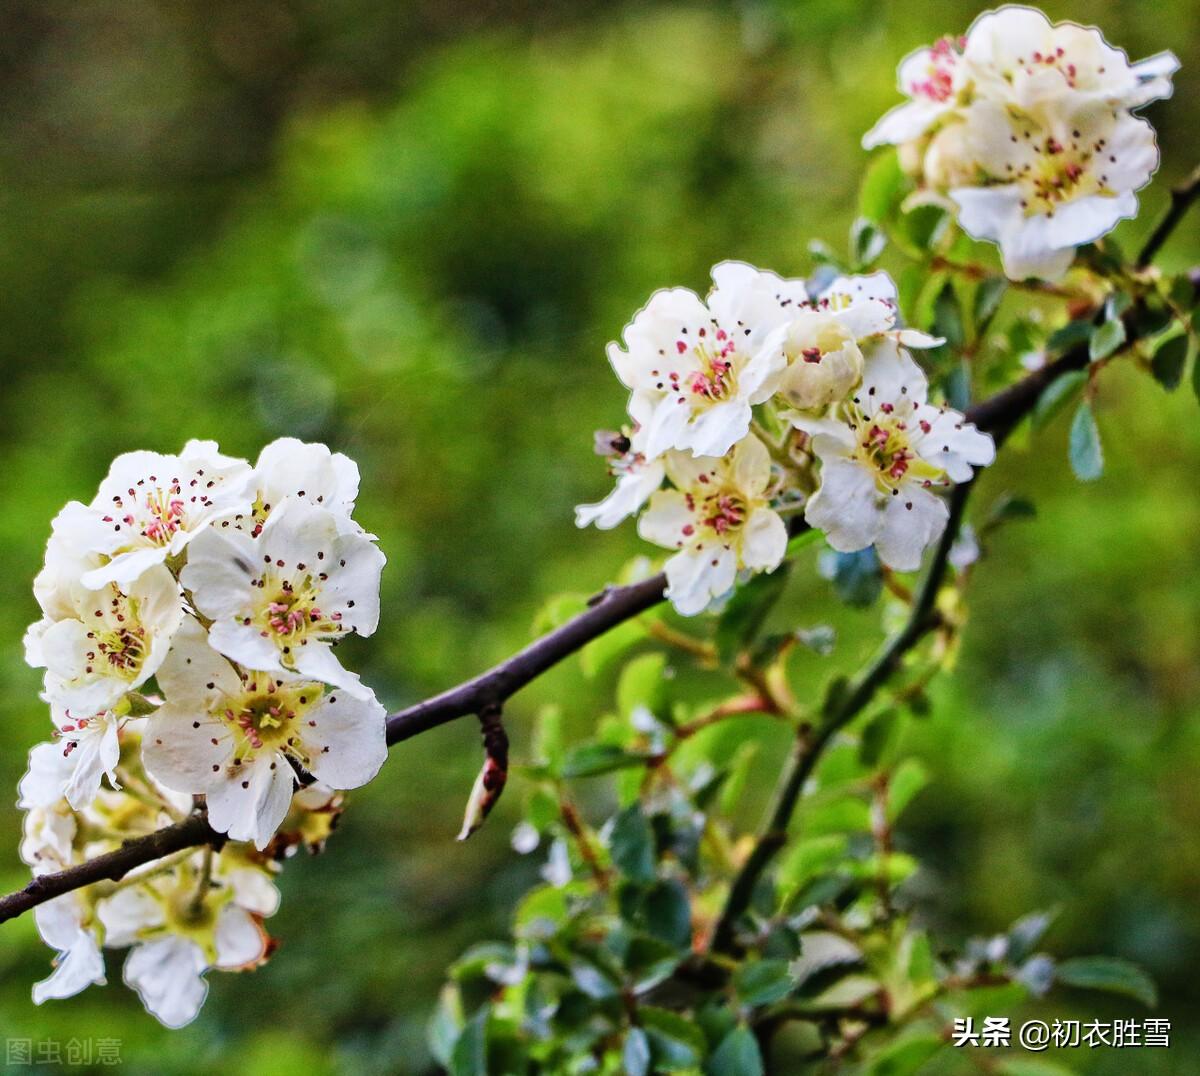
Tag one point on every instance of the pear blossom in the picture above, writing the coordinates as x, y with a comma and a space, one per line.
65, 924
72, 767
306, 471
719, 519
278, 601
112, 642
183, 923
825, 337
231, 735
1025, 128
637, 478
884, 456
697, 367
148, 509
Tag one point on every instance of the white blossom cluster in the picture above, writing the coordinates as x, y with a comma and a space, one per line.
191, 611
1026, 129
762, 401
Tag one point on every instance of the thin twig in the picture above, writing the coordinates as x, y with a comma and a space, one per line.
1182, 197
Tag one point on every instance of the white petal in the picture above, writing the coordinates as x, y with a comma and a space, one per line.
693, 579
845, 506
240, 940
220, 570
95, 756
250, 803
664, 521
167, 975
715, 431
127, 914
288, 467
666, 429
47, 777
890, 376
907, 531
632, 490
764, 540
903, 123
316, 661
750, 466
178, 749
77, 968
124, 568
192, 665
346, 744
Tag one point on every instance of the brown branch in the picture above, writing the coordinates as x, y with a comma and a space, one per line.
111, 866
611, 607
1182, 198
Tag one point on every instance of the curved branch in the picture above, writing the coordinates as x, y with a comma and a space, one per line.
1182, 197
112, 866
613, 606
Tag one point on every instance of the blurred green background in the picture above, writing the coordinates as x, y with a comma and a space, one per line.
408, 230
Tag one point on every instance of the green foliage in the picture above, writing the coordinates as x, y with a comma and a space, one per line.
1086, 454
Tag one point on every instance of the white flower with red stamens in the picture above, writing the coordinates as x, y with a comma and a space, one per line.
933, 80
1026, 129
825, 337
66, 925
111, 642
696, 367
719, 519
289, 468
637, 478
278, 601
1050, 187
231, 736
183, 923
72, 767
883, 459
148, 509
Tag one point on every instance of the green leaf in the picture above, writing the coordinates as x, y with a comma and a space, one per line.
1006, 507
883, 188
1169, 360
601, 652
1069, 336
593, 981
1109, 974
1083, 445
877, 734
947, 317
632, 845
641, 685
675, 1043
907, 780
636, 1053
738, 1055
988, 297
1055, 396
1026, 932
1032, 1067
857, 578
668, 914
592, 759
1116, 304
1105, 339
469, 1057
800, 541
866, 242
540, 913
904, 1057
747, 610
809, 858
924, 225
445, 1025
762, 982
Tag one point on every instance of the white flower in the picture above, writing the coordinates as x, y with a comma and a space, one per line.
149, 507
1027, 127
719, 519
230, 736
1054, 186
825, 336
637, 478
180, 925
881, 462
278, 601
1017, 56
110, 643
289, 468
64, 924
932, 79
73, 766
696, 368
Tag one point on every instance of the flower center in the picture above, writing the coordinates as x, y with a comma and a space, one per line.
289, 612
266, 713
884, 445
938, 83
118, 644
722, 512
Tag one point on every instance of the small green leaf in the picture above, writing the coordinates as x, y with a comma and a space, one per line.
907, 780
636, 1054
987, 300
876, 735
667, 913
743, 617
1032, 1067
800, 541
1109, 974
1169, 361
762, 982
632, 845
641, 684
903, 1057
675, 1043
445, 1025
1105, 339
469, 1057
738, 1055
809, 858
593, 759
593, 981
857, 577
1083, 445
1069, 336
1026, 932
866, 242
1116, 304
1056, 395
1005, 508
883, 188
924, 225
947, 317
